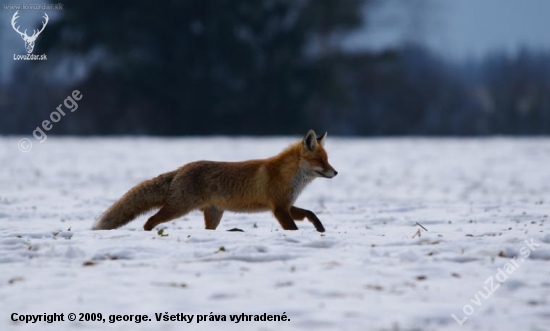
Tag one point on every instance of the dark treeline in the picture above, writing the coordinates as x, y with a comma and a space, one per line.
261, 67
415, 92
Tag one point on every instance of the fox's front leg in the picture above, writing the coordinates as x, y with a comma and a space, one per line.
285, 219
299, 214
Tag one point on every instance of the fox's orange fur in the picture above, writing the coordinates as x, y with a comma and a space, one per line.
271, 184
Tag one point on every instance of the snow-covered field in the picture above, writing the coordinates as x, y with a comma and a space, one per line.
374, 268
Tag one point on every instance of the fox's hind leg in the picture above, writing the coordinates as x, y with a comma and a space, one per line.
212, 217
165, 214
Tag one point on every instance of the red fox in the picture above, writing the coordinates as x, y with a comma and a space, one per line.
271, 184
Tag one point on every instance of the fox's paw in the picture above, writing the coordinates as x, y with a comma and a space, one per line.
319, 227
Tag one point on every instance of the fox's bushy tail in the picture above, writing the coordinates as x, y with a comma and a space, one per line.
140, 199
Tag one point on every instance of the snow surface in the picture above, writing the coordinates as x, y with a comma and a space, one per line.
374, 268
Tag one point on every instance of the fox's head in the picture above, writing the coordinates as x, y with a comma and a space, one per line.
315, 157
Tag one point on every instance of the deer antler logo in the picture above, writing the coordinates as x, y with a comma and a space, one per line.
29, 40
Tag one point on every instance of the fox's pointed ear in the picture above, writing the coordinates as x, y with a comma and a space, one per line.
321, 139
310, 141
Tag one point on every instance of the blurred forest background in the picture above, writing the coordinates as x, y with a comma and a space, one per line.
262, 67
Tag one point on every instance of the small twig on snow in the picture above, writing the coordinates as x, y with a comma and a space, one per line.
420, 225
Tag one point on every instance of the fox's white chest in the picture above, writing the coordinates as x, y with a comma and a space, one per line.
299, 182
